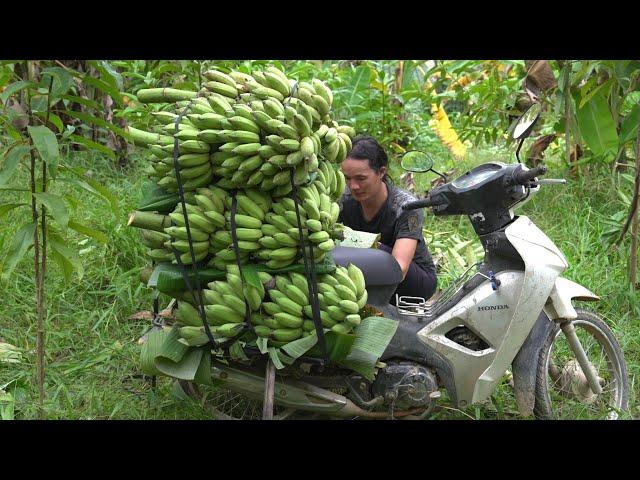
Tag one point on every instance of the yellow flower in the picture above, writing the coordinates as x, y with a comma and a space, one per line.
448, 136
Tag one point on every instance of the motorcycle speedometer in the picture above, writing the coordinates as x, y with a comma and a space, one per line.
476, 176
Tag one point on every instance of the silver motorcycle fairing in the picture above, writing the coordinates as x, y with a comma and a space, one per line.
502, 318
560, 303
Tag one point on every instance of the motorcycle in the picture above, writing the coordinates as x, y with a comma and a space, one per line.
512, 311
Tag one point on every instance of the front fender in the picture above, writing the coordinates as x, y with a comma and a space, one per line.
560, 305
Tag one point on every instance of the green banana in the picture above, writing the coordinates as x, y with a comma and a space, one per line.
362, 300
229, 330
269, 230
236, 304
249, 234
343, 328
271, 308
222, 88
287, 334
181, 233
188, 315
247, 221
242, 123
356, 276
287, 305
349, 306
345, 293
297, 295
288, 320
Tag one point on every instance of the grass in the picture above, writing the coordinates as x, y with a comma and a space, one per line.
91, 345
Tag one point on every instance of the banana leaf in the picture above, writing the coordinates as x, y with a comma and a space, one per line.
172, 348
151, 194
151, 348
184, 369
167, 278
629, 128
299, 347
372, 338
203, 374
275, 358
237, 353
338, 346
597, 127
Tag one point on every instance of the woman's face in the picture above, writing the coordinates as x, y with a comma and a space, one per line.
362, 180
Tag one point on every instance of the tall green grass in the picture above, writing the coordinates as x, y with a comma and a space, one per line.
91, 345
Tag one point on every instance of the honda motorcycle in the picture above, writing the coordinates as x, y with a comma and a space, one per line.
513, 312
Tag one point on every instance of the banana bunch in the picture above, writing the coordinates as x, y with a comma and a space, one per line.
288, 315
281, 233
255, 128
252, 206
225, 307
343, 296
194, 161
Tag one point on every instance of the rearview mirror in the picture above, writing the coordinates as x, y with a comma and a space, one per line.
527, 121
416, 161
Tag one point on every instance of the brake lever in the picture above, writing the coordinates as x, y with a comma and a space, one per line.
547, 181
552, 181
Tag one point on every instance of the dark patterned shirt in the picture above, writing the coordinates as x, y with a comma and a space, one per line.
391, 222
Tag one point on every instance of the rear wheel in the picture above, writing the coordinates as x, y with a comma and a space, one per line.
562, 391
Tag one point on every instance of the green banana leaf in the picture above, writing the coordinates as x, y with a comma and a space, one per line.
167, 278
338, 346
203, 374
299, 347
275, 358
153, 193
629, 128
172, 348
185, 369
372, 338
597, 127
261, 343
151, 348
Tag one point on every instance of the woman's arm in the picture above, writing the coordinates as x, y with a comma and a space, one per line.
403, 251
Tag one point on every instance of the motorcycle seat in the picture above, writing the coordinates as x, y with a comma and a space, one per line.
378, 267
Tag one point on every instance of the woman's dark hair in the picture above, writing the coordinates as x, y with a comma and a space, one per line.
365, 147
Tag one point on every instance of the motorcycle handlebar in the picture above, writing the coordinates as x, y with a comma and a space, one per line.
427, 202
523, 176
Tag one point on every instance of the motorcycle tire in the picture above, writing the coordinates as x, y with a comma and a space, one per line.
561, 390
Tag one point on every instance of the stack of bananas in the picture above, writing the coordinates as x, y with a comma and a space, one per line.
280, 312
255, 135
244, 131
266, 228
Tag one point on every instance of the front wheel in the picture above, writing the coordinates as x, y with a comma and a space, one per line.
562, 391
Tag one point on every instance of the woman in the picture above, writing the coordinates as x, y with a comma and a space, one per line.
372, 204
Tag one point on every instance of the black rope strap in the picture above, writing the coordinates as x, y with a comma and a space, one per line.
236, 248
198, 295
310, 272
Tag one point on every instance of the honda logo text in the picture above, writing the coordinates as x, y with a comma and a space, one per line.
493, 307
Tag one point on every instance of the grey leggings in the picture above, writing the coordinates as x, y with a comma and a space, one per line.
417, 283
